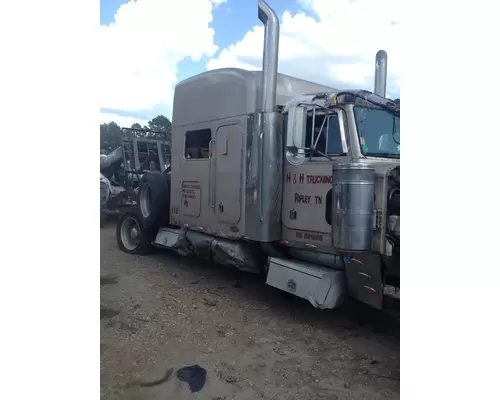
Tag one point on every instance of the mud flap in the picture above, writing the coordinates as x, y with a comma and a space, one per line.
364, 279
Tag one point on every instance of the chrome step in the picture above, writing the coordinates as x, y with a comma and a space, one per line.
322, 287
166, 237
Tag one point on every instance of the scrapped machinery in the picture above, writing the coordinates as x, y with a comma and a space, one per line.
122, 169
276, 175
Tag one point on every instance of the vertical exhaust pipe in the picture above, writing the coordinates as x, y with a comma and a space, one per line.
380, 73
262, 217
270, 56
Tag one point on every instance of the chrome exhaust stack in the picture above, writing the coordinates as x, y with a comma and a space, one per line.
262, 223
270, 56
380, 73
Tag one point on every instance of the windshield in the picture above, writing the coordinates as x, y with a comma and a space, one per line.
378, 132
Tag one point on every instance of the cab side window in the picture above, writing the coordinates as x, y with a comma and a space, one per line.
329, 142
197, 144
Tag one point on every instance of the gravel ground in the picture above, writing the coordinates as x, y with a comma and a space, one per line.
164, 311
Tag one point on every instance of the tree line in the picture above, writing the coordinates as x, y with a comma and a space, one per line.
112, 134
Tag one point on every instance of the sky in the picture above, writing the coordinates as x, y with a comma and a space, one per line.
147, 46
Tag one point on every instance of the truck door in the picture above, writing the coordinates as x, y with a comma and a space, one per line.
194, 177
228, 173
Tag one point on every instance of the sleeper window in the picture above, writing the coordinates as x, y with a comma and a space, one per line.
197, 143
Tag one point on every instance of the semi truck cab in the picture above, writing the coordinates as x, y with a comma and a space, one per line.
276, 175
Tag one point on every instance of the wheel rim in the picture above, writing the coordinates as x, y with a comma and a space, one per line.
130, 233
145, 200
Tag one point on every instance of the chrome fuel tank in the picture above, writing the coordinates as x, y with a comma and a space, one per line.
352, 206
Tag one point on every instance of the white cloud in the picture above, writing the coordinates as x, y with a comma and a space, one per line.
123, 122
141, 48
337, 48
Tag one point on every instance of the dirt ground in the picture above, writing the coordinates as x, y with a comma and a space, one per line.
164, 311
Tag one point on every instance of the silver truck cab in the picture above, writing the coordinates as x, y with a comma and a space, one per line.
277, 175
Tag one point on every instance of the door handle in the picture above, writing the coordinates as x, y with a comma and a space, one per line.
225, 146
211, 174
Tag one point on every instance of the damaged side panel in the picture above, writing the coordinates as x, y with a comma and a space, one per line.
245, 256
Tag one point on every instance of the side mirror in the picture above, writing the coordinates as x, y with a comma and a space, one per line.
296, 127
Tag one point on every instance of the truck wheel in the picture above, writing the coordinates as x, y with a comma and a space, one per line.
154, 199
132, 235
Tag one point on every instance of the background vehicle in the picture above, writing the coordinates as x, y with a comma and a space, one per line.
122, 169
276, 175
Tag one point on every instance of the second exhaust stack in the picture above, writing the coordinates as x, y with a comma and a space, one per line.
380, 73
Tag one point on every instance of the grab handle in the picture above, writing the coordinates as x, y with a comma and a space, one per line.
211, 174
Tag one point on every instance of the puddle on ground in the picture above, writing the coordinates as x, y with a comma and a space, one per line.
194, 375
108, 280
107, 313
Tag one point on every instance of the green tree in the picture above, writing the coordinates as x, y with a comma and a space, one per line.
137, 134
111, 136
161, 123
